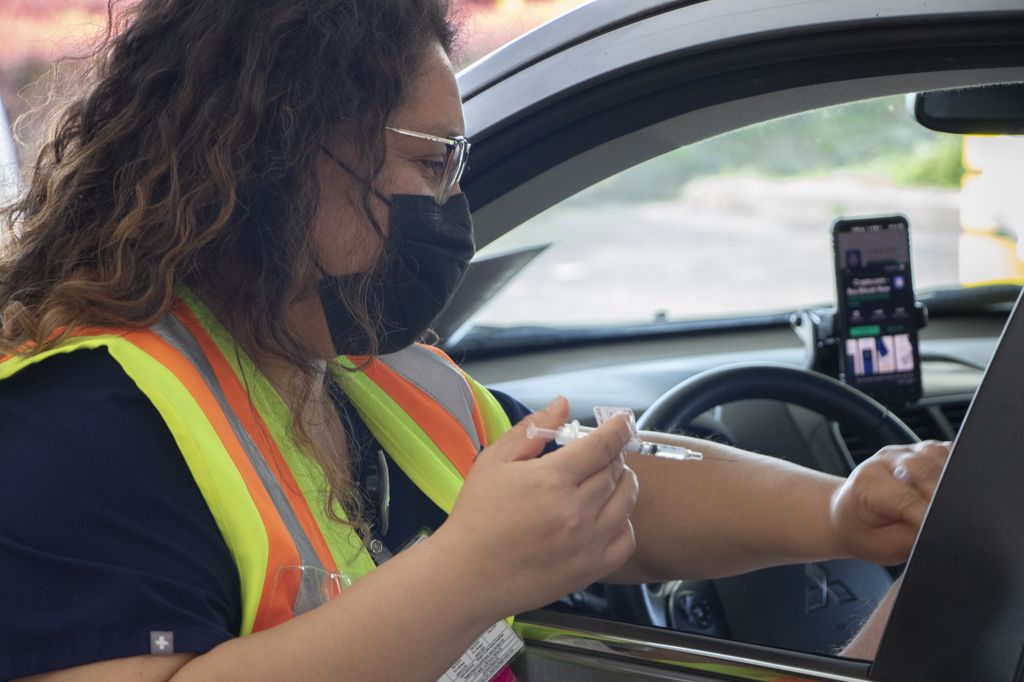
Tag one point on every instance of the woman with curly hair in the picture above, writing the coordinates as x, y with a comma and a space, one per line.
216, 412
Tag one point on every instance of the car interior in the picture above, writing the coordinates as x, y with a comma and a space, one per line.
792, 227
685, 269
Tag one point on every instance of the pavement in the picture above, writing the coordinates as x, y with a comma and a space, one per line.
725, 246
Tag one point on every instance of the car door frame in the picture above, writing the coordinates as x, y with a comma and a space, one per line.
561, 109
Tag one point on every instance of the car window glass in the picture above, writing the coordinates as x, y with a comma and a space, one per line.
739, 224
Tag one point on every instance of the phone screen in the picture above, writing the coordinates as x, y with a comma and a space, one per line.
878, 325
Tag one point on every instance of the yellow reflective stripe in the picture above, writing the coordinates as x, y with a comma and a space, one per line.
410, 447
496, 421
344, 544
15, 364
211, 466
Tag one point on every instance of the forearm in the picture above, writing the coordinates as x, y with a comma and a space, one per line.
865, 644
735, 511
409, 619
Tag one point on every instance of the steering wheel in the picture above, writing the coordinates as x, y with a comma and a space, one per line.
800, 596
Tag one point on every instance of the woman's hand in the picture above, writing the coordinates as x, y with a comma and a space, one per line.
877, 512
526, 530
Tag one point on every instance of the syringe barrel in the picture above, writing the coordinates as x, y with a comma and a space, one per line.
534, 431
567, 433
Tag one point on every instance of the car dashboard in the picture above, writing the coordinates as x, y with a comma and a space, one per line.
954, 351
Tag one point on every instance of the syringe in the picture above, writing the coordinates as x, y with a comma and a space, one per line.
567, 433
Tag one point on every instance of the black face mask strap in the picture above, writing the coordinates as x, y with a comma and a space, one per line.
358, 177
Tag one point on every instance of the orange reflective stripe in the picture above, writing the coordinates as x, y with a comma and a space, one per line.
210, 380
439, 425
478, 420
219, 394
282, 551
238, 399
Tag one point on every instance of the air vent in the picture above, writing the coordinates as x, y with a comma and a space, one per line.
927, 421
955, 413
923, 422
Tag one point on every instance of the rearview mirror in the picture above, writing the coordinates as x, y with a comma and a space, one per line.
984, 110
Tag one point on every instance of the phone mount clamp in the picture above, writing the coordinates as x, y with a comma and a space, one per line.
816, 329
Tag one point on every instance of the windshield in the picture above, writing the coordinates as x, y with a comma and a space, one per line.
738, 225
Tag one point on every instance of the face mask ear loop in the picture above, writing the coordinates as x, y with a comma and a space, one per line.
356, 176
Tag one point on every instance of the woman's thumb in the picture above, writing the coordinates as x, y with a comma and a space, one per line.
518, 445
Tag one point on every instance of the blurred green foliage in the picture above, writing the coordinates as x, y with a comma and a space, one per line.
877, 137
939, 164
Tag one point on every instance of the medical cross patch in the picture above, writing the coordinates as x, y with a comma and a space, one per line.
161, 642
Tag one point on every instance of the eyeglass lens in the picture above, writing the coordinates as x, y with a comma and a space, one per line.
455, 165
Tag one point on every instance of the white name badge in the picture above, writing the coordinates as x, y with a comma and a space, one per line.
486, 657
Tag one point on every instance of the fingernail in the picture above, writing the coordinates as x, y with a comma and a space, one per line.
551, 405
901, 474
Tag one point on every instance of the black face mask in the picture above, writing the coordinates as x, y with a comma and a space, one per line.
427, 251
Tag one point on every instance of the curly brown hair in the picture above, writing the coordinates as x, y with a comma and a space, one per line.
196, 147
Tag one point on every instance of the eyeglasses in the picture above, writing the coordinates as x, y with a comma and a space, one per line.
456, 156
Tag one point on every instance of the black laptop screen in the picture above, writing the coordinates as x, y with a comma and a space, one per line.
960, 613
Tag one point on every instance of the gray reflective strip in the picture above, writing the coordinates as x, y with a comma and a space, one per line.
171, 330
440, 380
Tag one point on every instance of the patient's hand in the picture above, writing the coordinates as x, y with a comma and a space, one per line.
881, 508
877, 512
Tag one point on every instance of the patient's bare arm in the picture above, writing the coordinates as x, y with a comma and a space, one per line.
865, 644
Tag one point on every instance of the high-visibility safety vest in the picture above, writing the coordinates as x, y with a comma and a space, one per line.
267, 497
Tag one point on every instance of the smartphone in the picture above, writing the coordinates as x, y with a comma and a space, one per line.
877, 321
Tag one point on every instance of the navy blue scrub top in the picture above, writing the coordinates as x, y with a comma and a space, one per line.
104, 535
